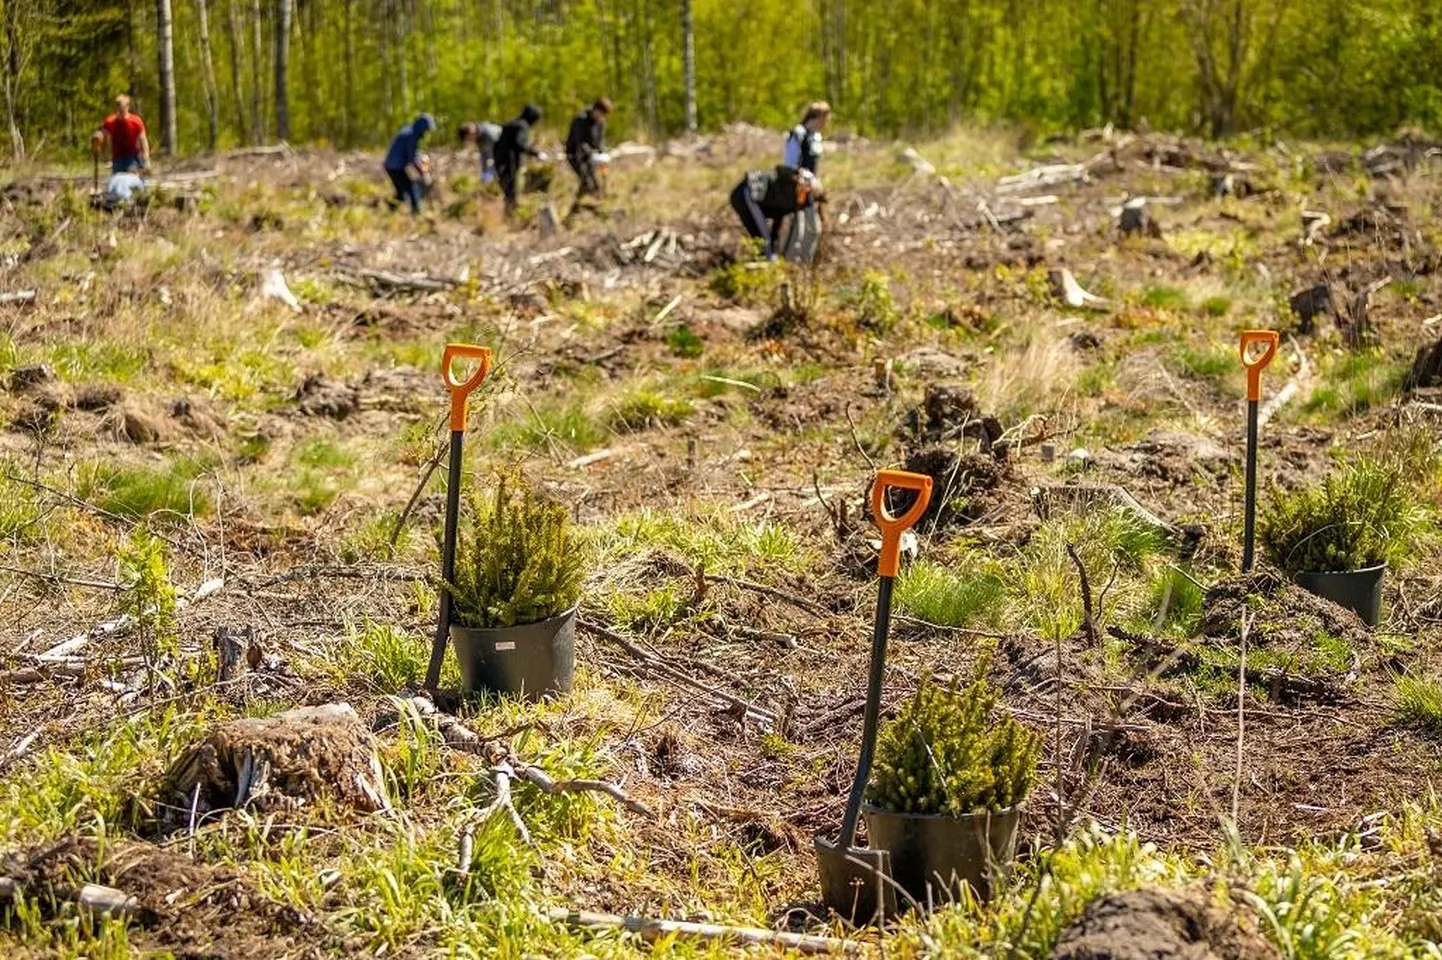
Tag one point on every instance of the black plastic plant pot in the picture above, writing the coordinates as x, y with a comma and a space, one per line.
932, 855
534, 660
1358, 590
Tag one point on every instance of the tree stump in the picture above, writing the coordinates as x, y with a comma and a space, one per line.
1311, 303
1161, 925
284, 762
547, 220
1426, 369
1135, 219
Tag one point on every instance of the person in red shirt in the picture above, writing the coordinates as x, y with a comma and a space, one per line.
129, 147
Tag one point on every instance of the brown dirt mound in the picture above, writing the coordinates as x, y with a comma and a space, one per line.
1160, 925
184, 909
319, 396
282, 762
1287, 619
961, 484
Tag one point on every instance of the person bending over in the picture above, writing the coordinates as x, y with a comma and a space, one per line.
764, 198
512, 147
406, 165
483, 136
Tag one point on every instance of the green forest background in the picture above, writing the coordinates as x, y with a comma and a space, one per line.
353, 70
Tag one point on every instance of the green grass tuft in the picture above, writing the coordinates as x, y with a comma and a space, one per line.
141, 491
1419, 703
647, 407
933, 592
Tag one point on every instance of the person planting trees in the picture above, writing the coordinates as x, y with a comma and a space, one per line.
764, 198
512, 147
129, 146
803, 151
585, 150
483, 136
406, 165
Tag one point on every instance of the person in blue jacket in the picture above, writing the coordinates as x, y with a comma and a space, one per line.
404, 156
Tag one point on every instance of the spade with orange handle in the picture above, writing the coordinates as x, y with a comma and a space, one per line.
460, 391
855, 881
1258, 348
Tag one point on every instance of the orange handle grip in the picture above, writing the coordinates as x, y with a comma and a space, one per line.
461, 390
893, 527
1257, 362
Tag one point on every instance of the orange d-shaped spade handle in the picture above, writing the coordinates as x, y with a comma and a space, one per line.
893, 527
461, 390
1257, 362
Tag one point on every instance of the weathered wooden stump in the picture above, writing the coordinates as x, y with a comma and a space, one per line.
284, 762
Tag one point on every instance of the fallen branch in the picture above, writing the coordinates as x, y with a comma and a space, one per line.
505, 768
778, 594
545, 784
1089, 624
946, 627
58, 579
1046, 176
503, 774
441, 450
19, 750
122, 624
651, 930
1290, 390
17, 296
405, 282
93, 898
1064, 286
648, 661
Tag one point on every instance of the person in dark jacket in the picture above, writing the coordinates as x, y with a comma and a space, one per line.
406, 165
483, 136
513, 145
803, 151
585, 150
773, 195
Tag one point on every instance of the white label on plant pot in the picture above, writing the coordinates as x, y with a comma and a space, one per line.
506, 645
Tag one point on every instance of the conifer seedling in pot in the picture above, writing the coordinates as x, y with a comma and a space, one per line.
517, 584
945, 798
1336, 538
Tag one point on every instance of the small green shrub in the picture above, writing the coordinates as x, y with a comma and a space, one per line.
1161, 297
518, 562
1217, 306
747, 282
1357, 517
683, 342
943, 754
149, 596
872, 302
647, 408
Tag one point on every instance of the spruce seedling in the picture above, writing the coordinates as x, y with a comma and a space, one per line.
518, 562
944, 754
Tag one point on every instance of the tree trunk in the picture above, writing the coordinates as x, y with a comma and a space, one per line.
688, 54
348, 121
164, 47
14, 64
207, 73
282, 69
237, 75
257, 117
